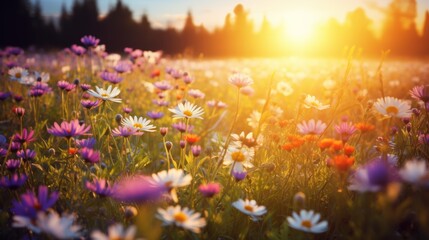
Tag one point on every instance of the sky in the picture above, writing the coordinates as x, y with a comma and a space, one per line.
211, 13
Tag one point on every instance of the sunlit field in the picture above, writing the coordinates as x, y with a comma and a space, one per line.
139, 145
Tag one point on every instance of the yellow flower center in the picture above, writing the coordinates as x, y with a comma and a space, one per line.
104, 95
237, 156
137, 125
248, 208
187, 113
180, 217
18, 75
306, 224
392, 110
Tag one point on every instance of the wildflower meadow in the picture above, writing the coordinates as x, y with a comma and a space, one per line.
140, 145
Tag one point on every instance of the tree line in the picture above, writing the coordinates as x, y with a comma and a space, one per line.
23, 24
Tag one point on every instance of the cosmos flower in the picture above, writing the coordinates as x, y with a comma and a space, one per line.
141, 124
209, 190
240, 80
345, 130
111, 77
26, 154
195, 93
88, 104
89, 41
68, 129
372, 177
163, 85
250, 208
30, 204
123, 66
115, 231
78, 50
184, 218
13, 182
181, 127
216, 104
420, 93
106, 95
312, 102
307, 221
239, 158
89, 155
187, 111
125, 132
155, 115
311, 127
393, 107
414, 171
26, 136
13, 164
86, 143
137, 189
99, 186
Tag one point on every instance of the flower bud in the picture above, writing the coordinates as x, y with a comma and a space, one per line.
163, 131
118, 118
168, 145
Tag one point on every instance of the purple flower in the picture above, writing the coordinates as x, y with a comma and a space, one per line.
424, 139
3, 152
420, 93
163, 85
68, 129
13, 182
85, 86
239, 175
15, 146
26, 154
90, 155
4, 95
126, 132
160, 102
15, 51
39, 89
181, 127
123, 66
138, 189
345, 130
86, 143
155, 115
111, 77
31, 204
127, 110
196, 150
373, 177
89, 41
13, 164
25, 136
78, 50
88, 104
63, 84
100, 187
209, 190
19, 111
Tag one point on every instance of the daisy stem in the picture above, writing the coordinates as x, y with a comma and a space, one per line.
166, 153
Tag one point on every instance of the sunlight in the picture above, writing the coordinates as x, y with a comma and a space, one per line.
300, 26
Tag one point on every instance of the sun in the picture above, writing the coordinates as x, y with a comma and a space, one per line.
300, 26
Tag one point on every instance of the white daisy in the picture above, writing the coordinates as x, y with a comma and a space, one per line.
187, 110
253, 119
184, 218
312, 102
240, 80
60, 227
393, 107
22, 221
107, 95
239, 158
141, 124
115, 231
311, 127
414, 171
284, 88
307, 221
17, 73
249, 207
171, 180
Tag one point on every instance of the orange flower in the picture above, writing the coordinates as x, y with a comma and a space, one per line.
287, 146
364, 127
326, 143
336, 146
342, 162
192, 138
73, 151
348, 150
296, 141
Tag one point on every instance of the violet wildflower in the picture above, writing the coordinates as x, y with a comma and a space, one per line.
196, 150
30, 203
181, 127
13, 182
100, 186
78, 50
86, 143
209, 190
13, 164
111, 77
26, 155
89, 41
4, 95
420, 93
126, 132
345, 130
15, 146
25, 136
163, 85
127, 110
373, 177
85, 86
239, 175
68, 129
138, 189
123, 67
63, 85
88, 104
155, 115
90, 155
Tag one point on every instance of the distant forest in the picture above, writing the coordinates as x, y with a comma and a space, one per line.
23, 24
